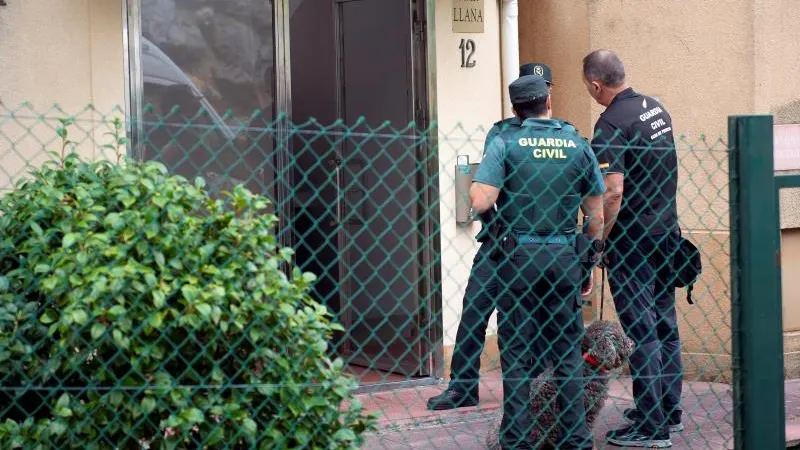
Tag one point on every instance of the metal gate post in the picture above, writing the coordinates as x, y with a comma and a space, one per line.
759, 415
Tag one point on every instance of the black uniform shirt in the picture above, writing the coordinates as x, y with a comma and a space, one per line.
634, 137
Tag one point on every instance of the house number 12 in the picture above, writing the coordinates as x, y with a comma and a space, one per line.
467, 48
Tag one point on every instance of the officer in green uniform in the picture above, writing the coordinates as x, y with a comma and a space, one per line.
539, 175
480, 297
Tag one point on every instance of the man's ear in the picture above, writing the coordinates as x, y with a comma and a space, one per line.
514, 110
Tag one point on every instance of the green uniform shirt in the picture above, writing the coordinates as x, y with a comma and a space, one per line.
544, 170
505, 125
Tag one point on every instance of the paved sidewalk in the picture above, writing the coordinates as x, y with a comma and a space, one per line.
407, 424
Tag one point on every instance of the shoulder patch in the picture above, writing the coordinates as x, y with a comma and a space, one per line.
569, 127
506, 125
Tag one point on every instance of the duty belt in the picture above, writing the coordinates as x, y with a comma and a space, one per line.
562, 239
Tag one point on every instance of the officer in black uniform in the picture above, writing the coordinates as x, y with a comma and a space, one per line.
539, 175
636, 150
481, 294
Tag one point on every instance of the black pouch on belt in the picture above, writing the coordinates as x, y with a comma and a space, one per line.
582, 246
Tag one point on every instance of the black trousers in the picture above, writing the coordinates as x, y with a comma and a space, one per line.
543, 309
480, 300
641, 277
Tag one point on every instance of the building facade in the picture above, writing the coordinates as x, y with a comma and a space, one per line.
441, 64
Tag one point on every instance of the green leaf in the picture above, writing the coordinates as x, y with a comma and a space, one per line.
309, 277
63, 401
114, 221
156, 320
345, 434
49, 283
190, 292
148, 405
3, 284
148, 184
57, 427
119, 339
216, 314
217, 375
116, 398
159, 299
204, 309
97, 330
194, 415
320, 346
250, 427
80, 317
117, 310
37, 230
48, 317
69, 240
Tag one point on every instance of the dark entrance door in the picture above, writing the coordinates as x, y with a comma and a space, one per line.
358, 184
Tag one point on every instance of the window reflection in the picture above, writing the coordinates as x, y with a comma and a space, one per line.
209, 91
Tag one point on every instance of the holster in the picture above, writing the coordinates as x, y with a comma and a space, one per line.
502, 242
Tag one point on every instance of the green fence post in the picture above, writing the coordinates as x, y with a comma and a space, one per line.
759, 415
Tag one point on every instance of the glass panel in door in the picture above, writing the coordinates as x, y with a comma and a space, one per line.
209, 90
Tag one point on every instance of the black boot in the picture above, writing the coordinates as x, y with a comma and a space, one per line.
451, 399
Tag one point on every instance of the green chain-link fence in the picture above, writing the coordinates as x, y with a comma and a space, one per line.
140, 310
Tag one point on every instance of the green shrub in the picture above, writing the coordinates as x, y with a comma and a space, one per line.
137, 312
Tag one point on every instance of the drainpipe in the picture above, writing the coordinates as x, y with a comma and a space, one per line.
509, 49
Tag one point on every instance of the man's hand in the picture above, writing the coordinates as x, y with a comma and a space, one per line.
600, 259
588, 286
482, 196
603, 261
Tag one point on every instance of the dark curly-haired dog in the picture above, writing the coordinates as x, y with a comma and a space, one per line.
605, 347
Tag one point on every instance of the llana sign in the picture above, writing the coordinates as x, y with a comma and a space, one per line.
468, 16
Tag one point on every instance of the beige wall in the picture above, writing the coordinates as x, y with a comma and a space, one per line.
57, 52
705, 60
556, 32
65, 52
699, 59
469, 101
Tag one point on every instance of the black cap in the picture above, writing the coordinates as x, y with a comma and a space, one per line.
528, 88
537, 69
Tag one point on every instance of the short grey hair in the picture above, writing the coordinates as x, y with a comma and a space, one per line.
604, 66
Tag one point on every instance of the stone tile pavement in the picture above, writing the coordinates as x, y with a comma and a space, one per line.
407, 424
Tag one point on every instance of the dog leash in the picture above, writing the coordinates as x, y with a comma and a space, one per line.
602, 290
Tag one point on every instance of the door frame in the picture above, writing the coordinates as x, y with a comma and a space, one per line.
425, 112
